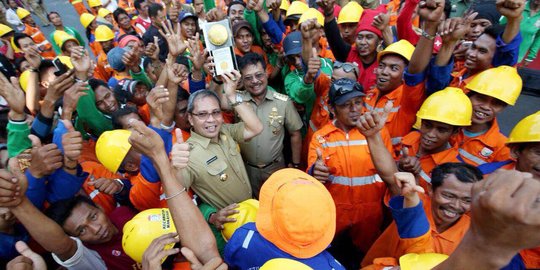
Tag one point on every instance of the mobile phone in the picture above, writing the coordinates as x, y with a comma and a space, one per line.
60, 67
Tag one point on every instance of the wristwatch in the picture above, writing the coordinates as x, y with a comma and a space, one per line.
237, 101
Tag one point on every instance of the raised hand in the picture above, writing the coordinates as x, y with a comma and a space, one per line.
255, 5
145, 140
71, 98
13, 94
454, 29
27, 260
409, 189
307, 28
214, 264
33, 57
511, 9
431, 11
152, 49
72, 143
197, 56
370, 123
107, 186
176, 72
11, 187
59, 86
180, 152
222, 216
156, 251
409, 163
80, 60
381, 21
215, 14
327, 6
230, 83
45, 158
320, 170
174, 39
314, 65
155, 100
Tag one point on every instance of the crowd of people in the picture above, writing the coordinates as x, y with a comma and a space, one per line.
349, 135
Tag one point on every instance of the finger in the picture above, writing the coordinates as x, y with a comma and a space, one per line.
314, 53
68, 125
319, 154
405, 152
156, 40
36, 142
167, 252
190, 256
24, 250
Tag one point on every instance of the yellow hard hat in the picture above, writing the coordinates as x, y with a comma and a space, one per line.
247, 212
86, 19
424, 261
312, 13
403, 48
22, 13
103, 12
285, 4
527, 130
350, 13
297, 8
142, 229
60, 37
104, 33
502, 83
450, 106
4, 29
23, 80
112, 147
94, 3
66, 60
284, 264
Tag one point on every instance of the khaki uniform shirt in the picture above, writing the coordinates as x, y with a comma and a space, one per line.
216, 171
276, 111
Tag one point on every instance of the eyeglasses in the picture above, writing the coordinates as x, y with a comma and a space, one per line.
259, 76
347, 67
205, 115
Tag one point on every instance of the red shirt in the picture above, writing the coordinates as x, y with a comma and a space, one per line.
111, 252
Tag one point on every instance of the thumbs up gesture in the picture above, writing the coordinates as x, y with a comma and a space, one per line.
320, 170
180, 152
71, 142
45, 158
370, 123
409, 163
314, 65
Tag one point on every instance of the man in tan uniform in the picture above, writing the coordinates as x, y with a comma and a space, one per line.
216, 170
263, 155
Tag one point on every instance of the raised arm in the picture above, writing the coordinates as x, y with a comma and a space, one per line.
512, 10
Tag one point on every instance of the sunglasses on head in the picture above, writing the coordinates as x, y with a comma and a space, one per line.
347, 67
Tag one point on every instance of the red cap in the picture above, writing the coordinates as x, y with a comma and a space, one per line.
367, 18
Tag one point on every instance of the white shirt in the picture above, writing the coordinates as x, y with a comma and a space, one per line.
13, 19
112, 6
83, 259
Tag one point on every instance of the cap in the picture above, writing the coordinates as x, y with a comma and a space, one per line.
114, 57
239, 25
296, 213
185, 14
292, 44
343, 90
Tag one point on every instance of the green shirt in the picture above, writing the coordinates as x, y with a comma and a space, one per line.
530, 31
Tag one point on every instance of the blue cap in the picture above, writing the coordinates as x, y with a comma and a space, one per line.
293, 43
344, 89
114, 57
185, 14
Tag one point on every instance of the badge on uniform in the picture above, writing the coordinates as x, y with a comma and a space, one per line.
486, 152
321, 139
274, 116
223, 177
214, 158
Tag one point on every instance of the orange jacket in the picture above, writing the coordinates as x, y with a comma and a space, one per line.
458, 80
390, 244
39, 38
326, 52
128, 6
95, 171
406, 101
531, 258
357, 190
485, 148
320, 115
427, 162
144, 113
103, 70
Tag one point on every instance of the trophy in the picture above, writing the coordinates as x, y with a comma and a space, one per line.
218, 40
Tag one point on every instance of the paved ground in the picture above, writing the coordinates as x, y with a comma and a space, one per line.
527, 104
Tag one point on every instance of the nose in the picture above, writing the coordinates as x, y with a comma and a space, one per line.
431, 133
95, 228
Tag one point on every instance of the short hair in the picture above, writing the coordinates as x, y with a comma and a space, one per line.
60, 211
494, 31
121, 113
18, 63
464, 172
95, 83
153, 10
19, 36
198, 95
182, 95
51, 13
44, 65
118, 12
250, 59
138, 4
232, 3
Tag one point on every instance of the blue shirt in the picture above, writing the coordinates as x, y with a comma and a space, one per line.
248, 250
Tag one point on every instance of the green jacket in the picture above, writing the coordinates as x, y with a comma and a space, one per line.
530, 31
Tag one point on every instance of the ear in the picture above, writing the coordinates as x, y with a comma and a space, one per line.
190, 119
515, 151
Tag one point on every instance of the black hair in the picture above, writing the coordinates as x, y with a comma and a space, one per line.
153, 10
60, 211
44, 65
138, 4
494, 31
118, 12
250, 59
19, 36
95, 83
464, 172
232, 3
182, 95
50, 13
121, 113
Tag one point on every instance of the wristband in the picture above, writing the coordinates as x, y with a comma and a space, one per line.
167, 128
176, 194
121, 183
426, 35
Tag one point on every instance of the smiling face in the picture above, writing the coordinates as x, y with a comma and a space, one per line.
243, 40
485, 108
527, 157
105, 100
255, 79
450, 201
390, 73
89, 224
189, 27
480, 54
435, 136
202, 119
236, 12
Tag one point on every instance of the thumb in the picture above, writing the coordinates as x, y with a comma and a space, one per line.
36, 142
190, 256
68, 125
137, 125
405, 152
156, 40
179, 137
314, 53
319, 154
24, 250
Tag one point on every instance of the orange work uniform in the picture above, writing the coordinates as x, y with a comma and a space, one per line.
356, 188
485, 148
78, 5
390, 244
320, 115
430, 161
103, 70
39, 38
458, 80
406, 102
95, 171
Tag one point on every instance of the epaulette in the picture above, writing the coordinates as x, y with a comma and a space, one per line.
280, 96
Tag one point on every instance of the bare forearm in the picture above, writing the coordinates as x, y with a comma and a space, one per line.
45, 231
511, 30
422, 53
306, 50
32, 93
383, 161
263, 16
253, 125
296, 146
445, 53
388, 36
169, 106
192, 229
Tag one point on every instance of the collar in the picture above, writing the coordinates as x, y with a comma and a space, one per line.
199, 139
392, 95
453, 234
269, 95
487, 137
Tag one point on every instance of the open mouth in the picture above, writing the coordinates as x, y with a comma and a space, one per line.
211, 128
480, 115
